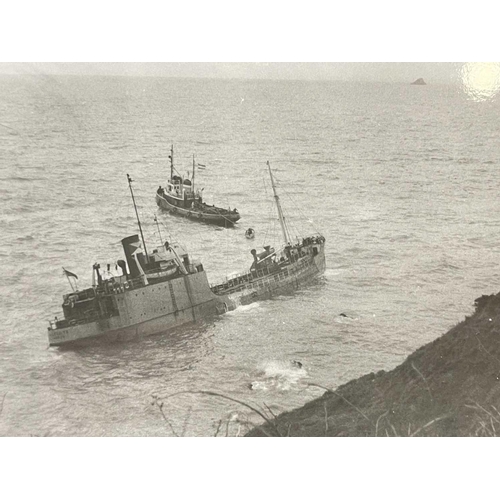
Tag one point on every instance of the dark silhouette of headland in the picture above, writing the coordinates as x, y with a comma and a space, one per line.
449, 387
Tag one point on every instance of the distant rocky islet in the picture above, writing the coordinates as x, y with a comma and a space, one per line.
419, 81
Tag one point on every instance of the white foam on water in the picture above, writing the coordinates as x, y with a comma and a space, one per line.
278, 375
390, 266
244, 309
329, 273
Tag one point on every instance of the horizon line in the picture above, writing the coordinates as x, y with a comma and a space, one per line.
249, 78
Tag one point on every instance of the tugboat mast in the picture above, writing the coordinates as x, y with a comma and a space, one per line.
137, 215
171, 162
286, 237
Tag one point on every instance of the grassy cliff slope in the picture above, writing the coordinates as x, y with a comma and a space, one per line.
449, 387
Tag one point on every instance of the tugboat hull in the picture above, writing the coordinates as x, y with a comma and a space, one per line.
226, 219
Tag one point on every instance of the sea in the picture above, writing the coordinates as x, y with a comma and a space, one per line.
402, 180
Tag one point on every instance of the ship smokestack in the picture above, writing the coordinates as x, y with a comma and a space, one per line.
122, 266
95, 272
254, 253
130, 245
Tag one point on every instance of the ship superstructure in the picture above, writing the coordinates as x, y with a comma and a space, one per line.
181, 198
153, 292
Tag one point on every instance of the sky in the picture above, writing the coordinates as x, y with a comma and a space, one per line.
433, 72
263, 30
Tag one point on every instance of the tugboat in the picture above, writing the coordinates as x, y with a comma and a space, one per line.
275, 272
180, 198
155, 292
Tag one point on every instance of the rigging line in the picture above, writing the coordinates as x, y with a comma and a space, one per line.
304, 216
171, 235
297, 206
291, 227
272, 227
155, 218
146, 224
267, 231
224, 217
227, 251
272, 210
178, 173
285, 216
167, 230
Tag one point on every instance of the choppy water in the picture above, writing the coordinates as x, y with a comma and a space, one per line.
402, 181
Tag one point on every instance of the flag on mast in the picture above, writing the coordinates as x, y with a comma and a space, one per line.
69, 274
201, 167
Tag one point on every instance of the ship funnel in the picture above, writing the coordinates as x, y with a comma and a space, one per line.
123, 266
132, 246
254, 253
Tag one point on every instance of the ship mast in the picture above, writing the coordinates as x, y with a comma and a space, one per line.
137, 215
193, 175
286, 237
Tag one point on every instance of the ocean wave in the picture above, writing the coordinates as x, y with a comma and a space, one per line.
18, 178
406, 253
278, 375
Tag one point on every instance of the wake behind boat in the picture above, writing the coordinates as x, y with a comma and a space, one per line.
275, 272
180, 198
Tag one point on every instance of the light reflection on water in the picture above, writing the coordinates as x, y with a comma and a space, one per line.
481, 81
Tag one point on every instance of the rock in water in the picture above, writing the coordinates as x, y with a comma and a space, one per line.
419, 81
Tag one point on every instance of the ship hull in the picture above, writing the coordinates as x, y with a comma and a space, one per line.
225, 220
149, 310
90, 332
283, 282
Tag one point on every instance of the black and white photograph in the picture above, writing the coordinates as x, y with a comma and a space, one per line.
235, 249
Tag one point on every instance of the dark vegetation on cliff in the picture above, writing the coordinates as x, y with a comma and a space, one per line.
449, 387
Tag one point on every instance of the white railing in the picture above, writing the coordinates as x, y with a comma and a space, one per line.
261, 279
